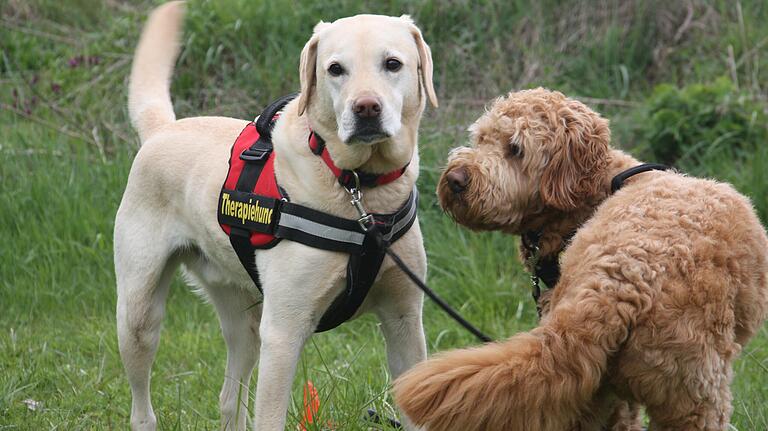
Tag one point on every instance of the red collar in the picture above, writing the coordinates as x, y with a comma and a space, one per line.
347, 177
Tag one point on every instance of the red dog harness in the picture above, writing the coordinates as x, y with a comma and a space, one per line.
256, 214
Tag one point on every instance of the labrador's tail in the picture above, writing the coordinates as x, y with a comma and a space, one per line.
149, 95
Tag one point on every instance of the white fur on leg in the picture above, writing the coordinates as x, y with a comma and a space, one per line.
406, 345
280, 352
297, 290
143, 270
400, 316
239, 320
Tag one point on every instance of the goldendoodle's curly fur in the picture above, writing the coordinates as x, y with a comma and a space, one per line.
662, 285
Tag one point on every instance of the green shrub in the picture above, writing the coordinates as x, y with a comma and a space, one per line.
708, 130
686, 126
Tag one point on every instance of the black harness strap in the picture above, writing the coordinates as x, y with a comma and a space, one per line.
362, 270
240, 239
255, 157
320, 230
618, 181
363, 266
265, 121
547, 268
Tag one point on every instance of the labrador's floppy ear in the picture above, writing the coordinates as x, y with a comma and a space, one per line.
307, 66
578, 155
425, 60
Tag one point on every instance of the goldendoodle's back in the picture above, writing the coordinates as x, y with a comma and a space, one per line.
686, 261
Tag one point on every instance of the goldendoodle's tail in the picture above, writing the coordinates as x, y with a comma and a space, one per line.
149, 95
539, 380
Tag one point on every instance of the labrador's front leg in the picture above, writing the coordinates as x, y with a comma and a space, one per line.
401, 324
399, 308
282, 339
406, 346
298, 283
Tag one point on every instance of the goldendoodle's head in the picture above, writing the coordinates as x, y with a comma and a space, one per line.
533, 150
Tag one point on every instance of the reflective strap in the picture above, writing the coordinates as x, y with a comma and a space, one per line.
320, 230
405, 221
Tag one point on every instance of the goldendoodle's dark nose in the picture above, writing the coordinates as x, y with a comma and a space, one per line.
457, 180
367, 107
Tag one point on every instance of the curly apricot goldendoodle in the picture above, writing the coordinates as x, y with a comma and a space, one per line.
663, 284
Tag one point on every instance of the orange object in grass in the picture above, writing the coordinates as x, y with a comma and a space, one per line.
311, 406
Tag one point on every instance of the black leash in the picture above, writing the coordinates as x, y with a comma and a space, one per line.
368, 225
372, 415
432, 295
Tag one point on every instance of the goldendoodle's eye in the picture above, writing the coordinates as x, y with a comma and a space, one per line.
515, 150
393, 64
335, 69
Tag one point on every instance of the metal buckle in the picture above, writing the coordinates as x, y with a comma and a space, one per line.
366, 220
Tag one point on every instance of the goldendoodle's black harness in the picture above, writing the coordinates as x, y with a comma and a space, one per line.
256, 214
547, 268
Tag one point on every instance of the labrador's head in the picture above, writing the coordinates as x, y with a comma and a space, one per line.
364, 83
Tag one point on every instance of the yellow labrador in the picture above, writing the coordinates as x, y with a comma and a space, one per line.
372, 64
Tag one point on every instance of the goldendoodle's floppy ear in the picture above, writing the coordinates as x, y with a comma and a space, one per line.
578, 155
425, 60
307, 66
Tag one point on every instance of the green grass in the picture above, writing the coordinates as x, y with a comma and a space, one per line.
66, 148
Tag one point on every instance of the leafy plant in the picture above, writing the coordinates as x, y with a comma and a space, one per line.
687, 126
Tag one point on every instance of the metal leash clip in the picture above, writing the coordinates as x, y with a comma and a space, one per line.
532, 263
366, 220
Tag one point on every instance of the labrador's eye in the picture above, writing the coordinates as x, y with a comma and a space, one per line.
515, 150
335, 69
393, 64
